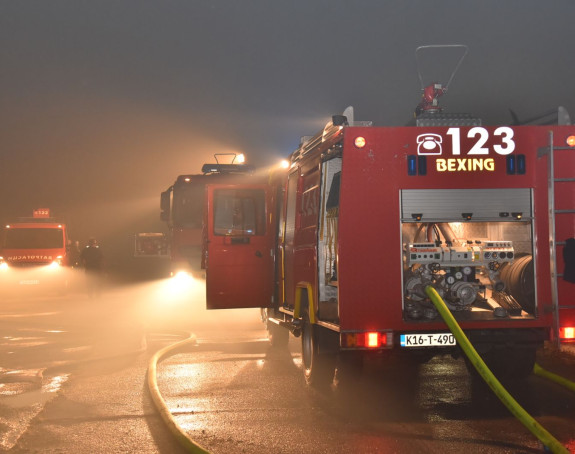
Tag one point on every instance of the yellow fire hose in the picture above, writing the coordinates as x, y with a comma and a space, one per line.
538, 370
165, 413
512, 405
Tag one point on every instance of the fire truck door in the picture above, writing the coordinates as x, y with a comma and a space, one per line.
239, 246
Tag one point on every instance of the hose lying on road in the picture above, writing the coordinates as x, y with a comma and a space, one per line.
512, 405
161, 406
538, 370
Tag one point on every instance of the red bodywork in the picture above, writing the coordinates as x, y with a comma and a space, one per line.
369, 284
34, 254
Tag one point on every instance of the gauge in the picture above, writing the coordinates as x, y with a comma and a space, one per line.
450, 279
466, 270
458, 275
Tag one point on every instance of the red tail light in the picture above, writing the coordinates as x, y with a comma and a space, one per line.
367, 340
567, 333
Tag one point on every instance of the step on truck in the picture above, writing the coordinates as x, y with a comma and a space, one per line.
339, 248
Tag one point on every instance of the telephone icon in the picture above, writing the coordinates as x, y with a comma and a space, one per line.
429, 144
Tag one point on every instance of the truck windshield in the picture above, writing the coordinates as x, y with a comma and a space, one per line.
188, 206
239, 212
41, 238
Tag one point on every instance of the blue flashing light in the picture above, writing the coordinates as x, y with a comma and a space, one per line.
511, 165
422, 165
412, 165
521, 164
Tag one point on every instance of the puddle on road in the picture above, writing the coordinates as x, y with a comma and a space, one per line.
23, 400
25, 394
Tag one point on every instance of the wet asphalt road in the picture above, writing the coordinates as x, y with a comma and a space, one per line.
73, 380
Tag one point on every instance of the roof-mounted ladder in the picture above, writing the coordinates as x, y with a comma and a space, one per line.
553, 243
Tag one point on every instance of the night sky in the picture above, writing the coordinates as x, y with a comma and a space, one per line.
103, 103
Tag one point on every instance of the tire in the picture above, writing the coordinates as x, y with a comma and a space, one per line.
318, 367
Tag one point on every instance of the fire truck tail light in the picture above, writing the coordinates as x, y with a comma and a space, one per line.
359, 142
367, 340
570, 141
372, 340
567, 333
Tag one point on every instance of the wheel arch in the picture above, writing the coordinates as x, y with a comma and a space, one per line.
305, 288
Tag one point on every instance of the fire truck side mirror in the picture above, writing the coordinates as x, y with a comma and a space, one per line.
339, 120
165, 206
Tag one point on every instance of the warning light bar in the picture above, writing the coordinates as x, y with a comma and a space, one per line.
227, 168
570, 141
367, 340
567, 333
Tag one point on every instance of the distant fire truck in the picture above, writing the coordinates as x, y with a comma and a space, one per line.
340, 247
34, 252
182, 209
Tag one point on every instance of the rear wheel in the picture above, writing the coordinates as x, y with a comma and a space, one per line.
318, 365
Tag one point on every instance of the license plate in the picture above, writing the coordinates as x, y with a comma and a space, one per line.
29, 282
427, 340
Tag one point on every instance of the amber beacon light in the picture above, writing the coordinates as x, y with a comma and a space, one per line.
359, 142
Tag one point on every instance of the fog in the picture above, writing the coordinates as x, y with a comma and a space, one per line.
103, 104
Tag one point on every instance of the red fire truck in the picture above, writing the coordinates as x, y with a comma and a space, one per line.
182, 209
340, 247
34, 253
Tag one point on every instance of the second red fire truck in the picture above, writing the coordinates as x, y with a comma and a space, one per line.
340, 247
182, 209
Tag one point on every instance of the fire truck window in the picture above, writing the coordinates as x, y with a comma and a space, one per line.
333, 197
33, 239
188, 206
239, 212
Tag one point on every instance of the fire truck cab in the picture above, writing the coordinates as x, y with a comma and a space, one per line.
181, 208
34, 253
